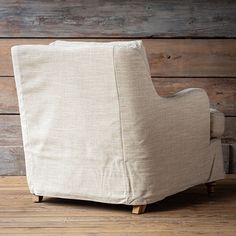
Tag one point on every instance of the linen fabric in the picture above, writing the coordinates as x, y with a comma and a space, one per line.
94, 127
217, 123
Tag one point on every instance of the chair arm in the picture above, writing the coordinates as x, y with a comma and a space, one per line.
217, 123
194, 98
190, 92
187, 112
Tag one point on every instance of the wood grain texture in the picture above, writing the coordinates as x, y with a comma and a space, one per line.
167, 57
12, 161
225, 149
100, 18
139, 209
221, 92
8, 97
187, 213
10, 130
232, 158
230, 130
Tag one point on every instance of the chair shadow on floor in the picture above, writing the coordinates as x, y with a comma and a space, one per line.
188, 199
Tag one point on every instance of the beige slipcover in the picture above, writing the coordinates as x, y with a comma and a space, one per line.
217, 123
94, 127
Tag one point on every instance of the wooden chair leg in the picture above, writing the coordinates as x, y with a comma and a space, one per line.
139, 209
37, 198
210, 187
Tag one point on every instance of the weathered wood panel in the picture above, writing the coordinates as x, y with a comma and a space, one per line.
192, 58
232, 158
221, 92
225, 149
10, 130
100, 18
8, 98
12, 161
167, 57
230, 127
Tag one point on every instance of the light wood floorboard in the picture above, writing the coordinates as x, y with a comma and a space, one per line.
191, 212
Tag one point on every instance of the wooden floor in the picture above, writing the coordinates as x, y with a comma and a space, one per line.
191, 212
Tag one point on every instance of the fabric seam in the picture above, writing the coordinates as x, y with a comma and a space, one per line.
121, 133
24, 116
212, 167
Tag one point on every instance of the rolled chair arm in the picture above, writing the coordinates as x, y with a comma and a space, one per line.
217, 123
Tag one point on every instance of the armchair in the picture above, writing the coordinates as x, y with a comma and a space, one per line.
94, 127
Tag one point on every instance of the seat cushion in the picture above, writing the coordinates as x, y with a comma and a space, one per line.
217, 123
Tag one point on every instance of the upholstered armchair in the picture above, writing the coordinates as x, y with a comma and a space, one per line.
94, 127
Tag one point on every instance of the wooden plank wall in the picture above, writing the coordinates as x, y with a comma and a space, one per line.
189, 44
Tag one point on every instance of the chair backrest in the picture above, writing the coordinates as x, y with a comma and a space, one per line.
84, 108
